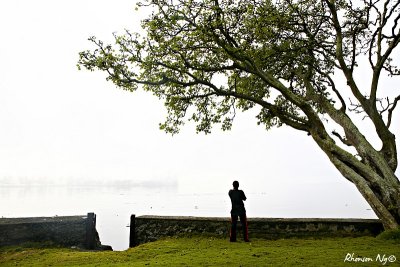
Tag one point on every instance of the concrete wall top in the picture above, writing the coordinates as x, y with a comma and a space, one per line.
258, 219
42, 219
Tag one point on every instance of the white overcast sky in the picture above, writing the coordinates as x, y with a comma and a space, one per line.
58, 123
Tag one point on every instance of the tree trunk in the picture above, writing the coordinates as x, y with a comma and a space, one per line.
383, 200
381, 193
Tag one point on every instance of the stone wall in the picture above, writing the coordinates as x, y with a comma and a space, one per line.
77, 231
150, 228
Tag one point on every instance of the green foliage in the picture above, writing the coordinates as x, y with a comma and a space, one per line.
209, 251
208, 58
191, 46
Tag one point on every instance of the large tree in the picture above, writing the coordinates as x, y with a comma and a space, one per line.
209, 58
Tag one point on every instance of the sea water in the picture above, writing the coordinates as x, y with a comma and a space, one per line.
114, 205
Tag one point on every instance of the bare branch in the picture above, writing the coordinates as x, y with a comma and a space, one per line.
384, 107
390, 112
357, 109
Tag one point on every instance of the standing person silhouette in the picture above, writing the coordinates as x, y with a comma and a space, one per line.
237, 197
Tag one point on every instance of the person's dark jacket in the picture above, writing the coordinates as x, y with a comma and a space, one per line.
237, 197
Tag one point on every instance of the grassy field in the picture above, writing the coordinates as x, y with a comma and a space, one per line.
213, 251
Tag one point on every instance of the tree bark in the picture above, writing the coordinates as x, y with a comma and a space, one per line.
382, 194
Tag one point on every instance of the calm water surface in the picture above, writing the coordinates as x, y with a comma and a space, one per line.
115, 204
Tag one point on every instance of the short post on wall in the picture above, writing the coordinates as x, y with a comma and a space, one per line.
132, 236
90, 230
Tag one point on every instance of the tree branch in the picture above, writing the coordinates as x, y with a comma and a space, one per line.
340, 55
342, 139
390, 112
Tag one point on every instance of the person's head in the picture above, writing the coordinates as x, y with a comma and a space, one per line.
235, 184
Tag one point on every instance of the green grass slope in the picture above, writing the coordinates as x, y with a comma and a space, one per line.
213, 251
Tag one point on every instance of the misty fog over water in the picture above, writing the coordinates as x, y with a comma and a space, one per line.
114, 203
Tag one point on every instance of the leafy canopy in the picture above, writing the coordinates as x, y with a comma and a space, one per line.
208, 58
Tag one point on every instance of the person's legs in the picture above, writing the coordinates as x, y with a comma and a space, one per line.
243, 221
234, 220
